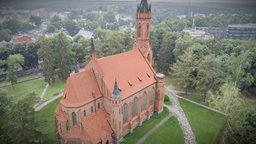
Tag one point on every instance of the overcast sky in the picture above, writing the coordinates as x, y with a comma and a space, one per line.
219, 1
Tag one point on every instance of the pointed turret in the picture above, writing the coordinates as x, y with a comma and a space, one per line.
93, 51
116, 92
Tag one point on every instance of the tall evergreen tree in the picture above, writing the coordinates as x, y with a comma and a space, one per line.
63, 56
209, 73
185, 69
166, 56
46, 55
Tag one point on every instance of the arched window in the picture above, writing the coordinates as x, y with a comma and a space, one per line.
125, 113
84, 112
152, 96
143, 101
134, 107
91, 108
74, 118
147, 29
139, 31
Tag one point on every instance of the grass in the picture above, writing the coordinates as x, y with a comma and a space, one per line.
20, 80
57, 87
195, 98
205, 124
146, 126
167, 100
46, 118
170, 132
20, 90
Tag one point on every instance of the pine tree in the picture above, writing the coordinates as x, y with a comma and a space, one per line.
185, 69
47, 57
63, 56
166, 57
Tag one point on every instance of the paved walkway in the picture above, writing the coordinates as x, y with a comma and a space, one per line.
43, 104
180, 115
43, 93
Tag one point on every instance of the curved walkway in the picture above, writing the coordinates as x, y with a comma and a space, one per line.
43, 104
180, 115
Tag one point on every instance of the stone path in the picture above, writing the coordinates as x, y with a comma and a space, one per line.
180, 115
149, 133
43, 104
43, 93
41, 100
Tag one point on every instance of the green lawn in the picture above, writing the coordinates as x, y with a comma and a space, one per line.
57, 87
20, 90
170, 132
205, 124
196, 98
20, 80
146, 126
46, 118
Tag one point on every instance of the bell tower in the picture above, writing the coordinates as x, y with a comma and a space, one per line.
143, 16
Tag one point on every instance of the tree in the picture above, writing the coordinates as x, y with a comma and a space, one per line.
50, 28
29, 52
36, 20
46, 55
228, 99
238, 67
128, 39
166, 57
248, 130
5, 35
22, 127
13, 25
209, 74
110, 17
71, 27
80, 49
13, 61
4, 103
63, 56
56, 21
185, 69
181, 44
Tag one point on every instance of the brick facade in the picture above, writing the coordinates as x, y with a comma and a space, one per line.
111, 96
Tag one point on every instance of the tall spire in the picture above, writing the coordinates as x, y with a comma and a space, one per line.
116, 92
93, 52
144, 7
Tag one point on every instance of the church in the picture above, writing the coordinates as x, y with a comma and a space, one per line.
110, 96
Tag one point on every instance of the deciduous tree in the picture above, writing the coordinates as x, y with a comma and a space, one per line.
14, 62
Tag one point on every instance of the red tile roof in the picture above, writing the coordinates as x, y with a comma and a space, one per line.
22, 39
131, 70
97, 126
80, 89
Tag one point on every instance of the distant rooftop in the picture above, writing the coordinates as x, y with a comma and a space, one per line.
250, 25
